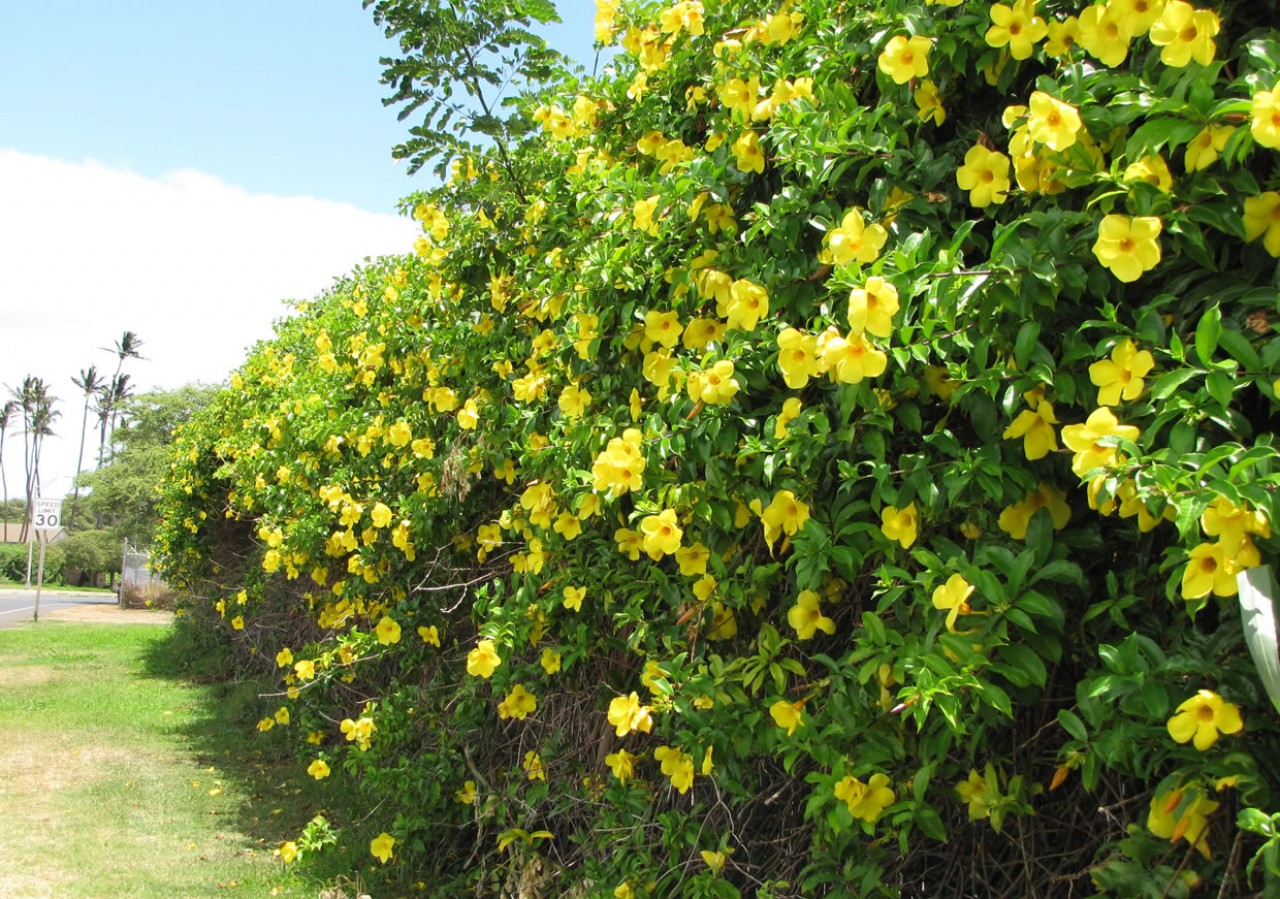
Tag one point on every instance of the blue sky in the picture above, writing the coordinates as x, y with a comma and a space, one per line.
179, 169
274, 96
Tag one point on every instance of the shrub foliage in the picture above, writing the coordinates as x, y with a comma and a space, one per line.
813, 457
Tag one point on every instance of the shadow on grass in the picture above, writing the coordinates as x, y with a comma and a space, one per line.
279, 798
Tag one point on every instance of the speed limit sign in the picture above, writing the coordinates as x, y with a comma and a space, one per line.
48, 515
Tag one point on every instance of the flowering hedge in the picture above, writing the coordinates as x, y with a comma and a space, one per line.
816, 458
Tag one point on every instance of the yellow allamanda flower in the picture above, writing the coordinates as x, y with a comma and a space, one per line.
1200, 719
748, 153
1262, 220
1014, 520
748, 302
953, 597
1203, 149
853, 241
628, 715
1184, 33
807, 618
660, 534
622, 764
1233, 525
715, 385
1192, 825
1016, 27
1052, 122
388, 631
1121, 376
1129, 246
1264, 117
985, 175
1102, 35
483, 660
797, 357
1083, 440
901, 525
904, 58
382, 847
676, 765
865, 801
518, 704
1062, 37
850, 360
785, 514
319, 769
1035, 427
872, 307
929, 102
787, 715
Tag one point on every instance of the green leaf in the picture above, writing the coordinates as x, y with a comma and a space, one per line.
1171, 381
1207, 334
1072, 724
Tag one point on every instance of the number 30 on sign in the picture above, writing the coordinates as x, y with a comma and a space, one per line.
48, 515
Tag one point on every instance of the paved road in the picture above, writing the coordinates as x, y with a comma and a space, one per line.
18, 605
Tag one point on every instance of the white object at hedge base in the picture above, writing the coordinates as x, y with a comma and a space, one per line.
1258, 614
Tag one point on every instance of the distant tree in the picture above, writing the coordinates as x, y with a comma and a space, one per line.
113, 393
89, 382
123, 491
92, 552
38, 415
6, 416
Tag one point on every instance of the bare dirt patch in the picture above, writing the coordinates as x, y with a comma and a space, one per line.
103, 613
23, 676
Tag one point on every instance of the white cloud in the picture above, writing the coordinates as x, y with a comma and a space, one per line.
196, 267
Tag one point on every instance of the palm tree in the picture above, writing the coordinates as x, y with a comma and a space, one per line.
38, 415
6, 413
109, 396
89, 382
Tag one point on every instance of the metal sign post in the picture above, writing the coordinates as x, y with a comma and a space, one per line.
45, 522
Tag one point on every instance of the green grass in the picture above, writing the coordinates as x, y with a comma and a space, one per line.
122, 778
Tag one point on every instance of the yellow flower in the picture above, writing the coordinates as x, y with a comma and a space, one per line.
748, 303
1262, 219
1016, 27
1208, 571
1063, 37
1203, 149
1121, 376
628, 716
1232, 525
905, 58
872, 307
1202, 718
1052, 122
787, 715
715, 385
1185, 33
284, 658
289, 852
1136, 16
430, 634
1264, 117
573, 401
900, 524
1151, 169
1102, 35
622, 764
1035, 427
573, 597
724, 622
853, 241
676, 765
468, 416
797, 357
388, 631
974, 792
784, 514
953, 596
789, 413
620, 466
305, 669
1083, 440
1129, 246
318, 769
850, 360
693, 559
624, 891
929, 103
237, 623
985, 174
467, 795
807, 618
662, 328
866, 801
381, 846
661, 534
630, 543
483, 660
518, 704
550, 661
1192, 825
1015, 519
748, 153
282, 715
532, 766
359, 732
